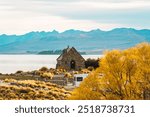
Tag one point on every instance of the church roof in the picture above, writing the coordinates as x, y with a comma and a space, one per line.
65, 51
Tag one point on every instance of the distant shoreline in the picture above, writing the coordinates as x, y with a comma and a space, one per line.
47, 52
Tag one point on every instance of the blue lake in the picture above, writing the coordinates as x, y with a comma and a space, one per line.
13, 63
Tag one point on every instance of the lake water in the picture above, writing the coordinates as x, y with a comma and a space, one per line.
13, 63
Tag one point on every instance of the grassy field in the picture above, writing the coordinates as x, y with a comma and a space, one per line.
11, 89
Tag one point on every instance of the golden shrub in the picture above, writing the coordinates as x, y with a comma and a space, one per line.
122, 75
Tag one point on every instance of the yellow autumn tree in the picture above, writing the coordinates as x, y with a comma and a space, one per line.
89, 89
121, 75
144, 66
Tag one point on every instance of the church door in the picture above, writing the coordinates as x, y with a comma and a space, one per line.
72, 64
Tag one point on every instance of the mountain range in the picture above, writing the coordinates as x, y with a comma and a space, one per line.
91, 42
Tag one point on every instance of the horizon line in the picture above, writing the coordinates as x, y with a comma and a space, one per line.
20, 34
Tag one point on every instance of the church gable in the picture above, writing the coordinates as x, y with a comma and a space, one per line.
70, 59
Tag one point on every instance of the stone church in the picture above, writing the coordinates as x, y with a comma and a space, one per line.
70, 59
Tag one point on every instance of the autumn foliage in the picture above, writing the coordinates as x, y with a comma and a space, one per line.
122, 75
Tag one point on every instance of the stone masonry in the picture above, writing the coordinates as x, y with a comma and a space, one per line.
70, 59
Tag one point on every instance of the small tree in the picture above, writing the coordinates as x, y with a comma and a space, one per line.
88, 89
43, 69
92, 63
19, 72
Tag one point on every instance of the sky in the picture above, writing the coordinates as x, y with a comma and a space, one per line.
22, 16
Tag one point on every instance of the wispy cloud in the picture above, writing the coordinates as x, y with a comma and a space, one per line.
19, 16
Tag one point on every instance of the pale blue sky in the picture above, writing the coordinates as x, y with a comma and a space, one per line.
21, 16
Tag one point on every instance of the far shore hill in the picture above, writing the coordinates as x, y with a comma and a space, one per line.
46, 52
86, 42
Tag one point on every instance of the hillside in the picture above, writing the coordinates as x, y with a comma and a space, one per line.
94, 41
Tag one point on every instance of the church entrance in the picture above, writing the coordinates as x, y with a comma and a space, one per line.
72, 64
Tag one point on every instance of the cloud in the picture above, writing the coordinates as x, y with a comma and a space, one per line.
27, 15
115, 1
124, 12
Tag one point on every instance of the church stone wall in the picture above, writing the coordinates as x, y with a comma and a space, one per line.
68, 57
